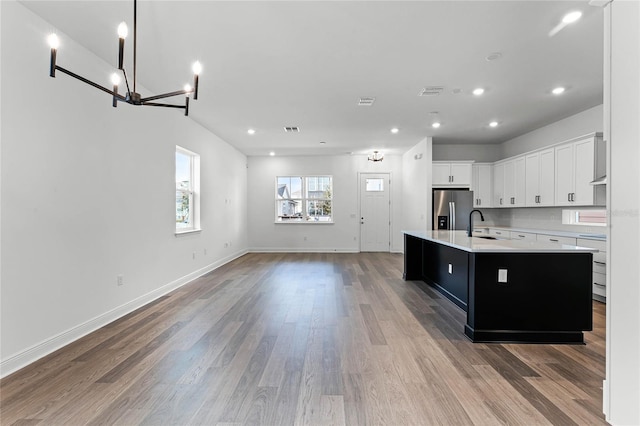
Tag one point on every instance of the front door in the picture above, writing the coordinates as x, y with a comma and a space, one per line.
375, 207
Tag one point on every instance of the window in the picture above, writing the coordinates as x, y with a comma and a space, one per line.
305, 199
187, 190
585, 217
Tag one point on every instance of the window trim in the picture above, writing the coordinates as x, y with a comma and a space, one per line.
304, 200
194, 191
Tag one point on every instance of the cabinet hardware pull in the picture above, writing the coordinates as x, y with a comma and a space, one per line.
569, 197
600, 285
599, 263
500, 201
555, 241
521, 236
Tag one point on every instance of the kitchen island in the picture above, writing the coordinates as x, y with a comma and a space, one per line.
512, 290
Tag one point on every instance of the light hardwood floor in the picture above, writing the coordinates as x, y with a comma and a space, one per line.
317, 339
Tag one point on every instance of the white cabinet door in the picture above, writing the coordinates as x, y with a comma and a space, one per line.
482, 185
532, 179
509, 183
584, 160
498, 185
547, 178
539, 178
461, 174
564, 174
440, 174
519, 182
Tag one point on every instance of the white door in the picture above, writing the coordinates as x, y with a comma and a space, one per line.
375, 207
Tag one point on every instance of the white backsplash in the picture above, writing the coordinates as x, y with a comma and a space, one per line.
535, 218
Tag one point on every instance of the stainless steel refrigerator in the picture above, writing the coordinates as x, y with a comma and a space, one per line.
451, 208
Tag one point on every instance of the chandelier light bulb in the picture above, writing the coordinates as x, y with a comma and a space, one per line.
187, 87
54, 41
479, 91
493, 124
572, 17
435, 125
115, 79
558, 90
123, 30
197, 67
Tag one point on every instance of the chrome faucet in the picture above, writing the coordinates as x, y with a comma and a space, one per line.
470, 229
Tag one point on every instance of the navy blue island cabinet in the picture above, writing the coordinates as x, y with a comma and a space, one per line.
512, 291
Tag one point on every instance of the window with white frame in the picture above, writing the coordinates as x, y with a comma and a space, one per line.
307, 199
187, 190
589, 217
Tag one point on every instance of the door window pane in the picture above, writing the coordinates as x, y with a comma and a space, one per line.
374, 184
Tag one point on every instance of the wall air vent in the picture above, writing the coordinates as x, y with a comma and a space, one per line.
293, 129
366, 101
431, 91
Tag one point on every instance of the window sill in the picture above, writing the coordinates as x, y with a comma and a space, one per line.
187, 231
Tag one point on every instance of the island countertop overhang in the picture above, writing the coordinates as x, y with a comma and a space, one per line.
460, 241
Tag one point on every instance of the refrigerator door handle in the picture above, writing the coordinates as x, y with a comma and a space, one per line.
452, 212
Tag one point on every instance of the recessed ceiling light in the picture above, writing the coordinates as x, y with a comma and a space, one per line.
571, 17
558, 90
493, 56
479, 91
251, 131
493, 124
435, 125
395, 130
322, 142
272, 153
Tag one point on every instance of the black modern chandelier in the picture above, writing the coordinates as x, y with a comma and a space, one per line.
131, 97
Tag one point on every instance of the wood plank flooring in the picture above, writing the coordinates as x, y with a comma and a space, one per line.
306, 339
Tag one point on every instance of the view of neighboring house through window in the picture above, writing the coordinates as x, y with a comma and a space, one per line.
304, 199
187, 189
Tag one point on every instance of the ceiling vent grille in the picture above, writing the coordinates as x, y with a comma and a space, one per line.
366, 101
292, 129
431, 91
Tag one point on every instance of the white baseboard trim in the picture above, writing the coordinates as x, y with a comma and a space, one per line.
20, 360
300, 250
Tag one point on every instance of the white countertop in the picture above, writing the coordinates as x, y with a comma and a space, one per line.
585, 235
460, 240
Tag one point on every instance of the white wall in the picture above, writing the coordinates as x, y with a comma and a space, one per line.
583, 123
88, 193
459, 152
344, 234
416, 188
622, 98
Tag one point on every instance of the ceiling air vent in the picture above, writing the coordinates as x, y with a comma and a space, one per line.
294, 129
431, 91
366, 101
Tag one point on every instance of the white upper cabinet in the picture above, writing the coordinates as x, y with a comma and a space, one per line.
482, 185
451, 174
514, 182
540, 181
498, 185
577, 164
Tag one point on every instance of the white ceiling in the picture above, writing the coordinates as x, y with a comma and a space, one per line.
270, 64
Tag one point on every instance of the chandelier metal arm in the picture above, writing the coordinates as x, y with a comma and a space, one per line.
126, 80
89, 82
165, 95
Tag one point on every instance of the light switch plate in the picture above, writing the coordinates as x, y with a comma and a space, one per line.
450, 269
502, 275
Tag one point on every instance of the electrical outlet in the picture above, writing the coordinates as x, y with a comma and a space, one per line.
120, 280
502, 275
